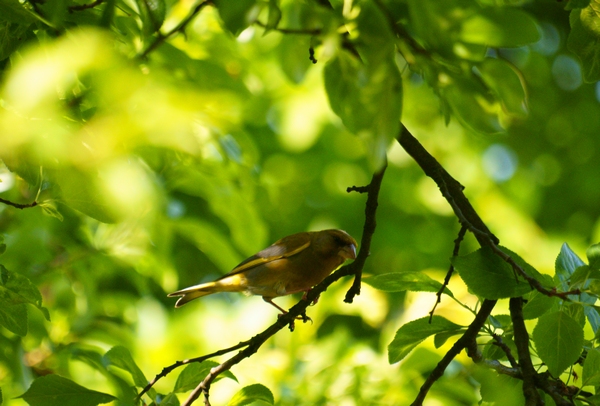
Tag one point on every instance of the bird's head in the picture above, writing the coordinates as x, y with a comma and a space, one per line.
336, 242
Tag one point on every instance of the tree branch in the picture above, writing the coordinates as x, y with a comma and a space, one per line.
167, 370
368, 229
463, 342
160, 37
449, 187
532, 397
251, 346
468, 217
17, 205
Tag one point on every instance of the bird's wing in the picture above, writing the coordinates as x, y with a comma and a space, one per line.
284, 248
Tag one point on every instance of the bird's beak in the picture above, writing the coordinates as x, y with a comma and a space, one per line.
348, 251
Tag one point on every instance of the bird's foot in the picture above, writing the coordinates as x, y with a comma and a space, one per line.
305, 318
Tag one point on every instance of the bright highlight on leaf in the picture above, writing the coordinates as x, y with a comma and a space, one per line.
251, 394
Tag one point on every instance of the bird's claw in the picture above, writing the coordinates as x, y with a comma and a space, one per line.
302, 317
305, 318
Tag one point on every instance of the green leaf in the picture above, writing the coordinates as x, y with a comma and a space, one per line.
490, 277
537, 304
13, 316
274, 15
566, 264
292, 53
581, 276
252, 393
94, 359
403, 281
583, 39
54, 390
208, 239
573, 4
441, 338
170, 400
194, 373
235, 14
558, 339
471, 106
49, 209
12, 35
368, 99
500, 27
593, 256
14, 12
591, 368
502, 321
108, 14
497, 389
593, 317
15, 291
80, 191
55, 11
502, 79
375, 41
152, 13
120, 357
413, 333
226, 201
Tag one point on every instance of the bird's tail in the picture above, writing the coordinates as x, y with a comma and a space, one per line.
228, 284
193, 292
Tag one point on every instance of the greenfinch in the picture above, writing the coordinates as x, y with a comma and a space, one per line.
293, 264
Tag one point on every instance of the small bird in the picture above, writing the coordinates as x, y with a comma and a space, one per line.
293, 264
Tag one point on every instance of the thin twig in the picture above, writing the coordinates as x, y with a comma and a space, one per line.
457, 242
500, 343
17, 205
368, 231
534, 283
160, 37
170, 368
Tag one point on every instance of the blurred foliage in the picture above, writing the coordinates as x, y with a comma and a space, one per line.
165, 141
